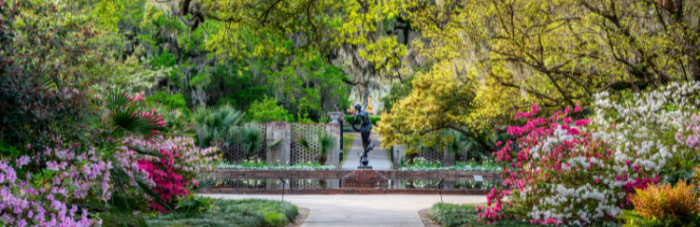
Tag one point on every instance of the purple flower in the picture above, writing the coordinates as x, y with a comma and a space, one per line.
22, 161
52, 165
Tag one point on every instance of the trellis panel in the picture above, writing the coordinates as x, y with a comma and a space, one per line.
235, 153
308, 132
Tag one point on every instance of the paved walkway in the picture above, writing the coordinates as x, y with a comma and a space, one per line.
364, 210
378, 158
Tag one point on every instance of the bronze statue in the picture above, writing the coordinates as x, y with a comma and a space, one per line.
365, 130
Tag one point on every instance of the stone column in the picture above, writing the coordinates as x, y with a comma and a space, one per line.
280, 154
400, 153
447, 158
333, 157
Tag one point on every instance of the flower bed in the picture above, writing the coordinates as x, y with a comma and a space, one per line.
421, 164
264, 166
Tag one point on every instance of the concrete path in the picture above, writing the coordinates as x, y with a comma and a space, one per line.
364, 210
378, 158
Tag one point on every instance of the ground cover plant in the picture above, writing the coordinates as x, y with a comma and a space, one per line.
229, 213
466, 215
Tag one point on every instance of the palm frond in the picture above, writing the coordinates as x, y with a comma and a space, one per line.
148, 152
303, 142
251, 137
273, 144
120, 178
116, 99
146, 190
326, 142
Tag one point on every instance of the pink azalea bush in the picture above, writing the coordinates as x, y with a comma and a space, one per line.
42, 198
181, 166
577, 172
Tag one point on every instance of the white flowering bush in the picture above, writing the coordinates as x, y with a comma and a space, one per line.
579, 172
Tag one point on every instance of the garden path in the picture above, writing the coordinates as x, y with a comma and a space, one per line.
378, 158
364, 210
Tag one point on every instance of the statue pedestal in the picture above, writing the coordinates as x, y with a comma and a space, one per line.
364, 167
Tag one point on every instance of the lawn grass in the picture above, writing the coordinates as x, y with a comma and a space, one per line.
347, 143
465, 215
243, 213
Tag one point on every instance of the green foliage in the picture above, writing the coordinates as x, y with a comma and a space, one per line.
214, 126
267, 111
252, 138
235, 77
276, 218
397, 92
170, 101
193, 204
465, 215
373, 118
325, 142
123, 115
225, 213
470, 146
41, 65
9, 152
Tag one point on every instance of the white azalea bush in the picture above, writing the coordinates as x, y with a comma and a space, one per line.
579, 172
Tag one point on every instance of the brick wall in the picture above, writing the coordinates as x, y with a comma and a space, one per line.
338, 174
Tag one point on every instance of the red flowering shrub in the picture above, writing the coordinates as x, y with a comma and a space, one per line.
175, 173
169, 184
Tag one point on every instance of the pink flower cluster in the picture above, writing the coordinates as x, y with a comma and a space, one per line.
182, 166
137, 98
71, 177
169, 184
494, 205
562, 172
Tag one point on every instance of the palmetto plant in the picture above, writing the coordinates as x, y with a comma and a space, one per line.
214, 126
124, 119
325, 142
462, 144
251, 138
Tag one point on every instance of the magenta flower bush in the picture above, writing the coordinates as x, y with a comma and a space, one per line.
182, 165
580, 171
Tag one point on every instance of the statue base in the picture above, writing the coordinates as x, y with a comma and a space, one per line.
364, 167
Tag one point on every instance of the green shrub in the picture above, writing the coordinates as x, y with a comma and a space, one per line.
275, 218
170, 101
267, 111
244, 213
451, 215
192, 204
375, 119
